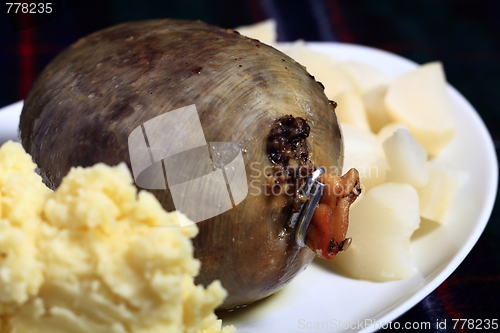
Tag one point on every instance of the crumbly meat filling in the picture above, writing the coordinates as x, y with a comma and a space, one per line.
287, 149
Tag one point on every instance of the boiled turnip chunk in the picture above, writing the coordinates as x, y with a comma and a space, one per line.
360, 152
381, 224
351, 111
420, 100
264, 31
406, 159
363, 77
438, 196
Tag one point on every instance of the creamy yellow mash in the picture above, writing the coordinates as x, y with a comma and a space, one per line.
95, 256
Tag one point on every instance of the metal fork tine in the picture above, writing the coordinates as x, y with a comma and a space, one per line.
307, 192
306, 217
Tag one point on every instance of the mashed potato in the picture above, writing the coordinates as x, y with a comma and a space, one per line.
95, 256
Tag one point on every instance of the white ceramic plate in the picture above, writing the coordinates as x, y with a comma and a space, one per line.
320, 299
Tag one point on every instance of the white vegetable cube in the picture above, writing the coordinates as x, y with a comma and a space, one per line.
380, 225
333, 80
264, 31
363, 77
438, 196
351, 111
420, 100
385, 133
322, 66
406, 159
375, 174
374, 101
388, 130
360, 152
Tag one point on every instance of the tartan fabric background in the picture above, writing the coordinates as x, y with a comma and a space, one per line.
464, 35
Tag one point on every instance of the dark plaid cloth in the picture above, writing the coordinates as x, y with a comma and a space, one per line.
464, 35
